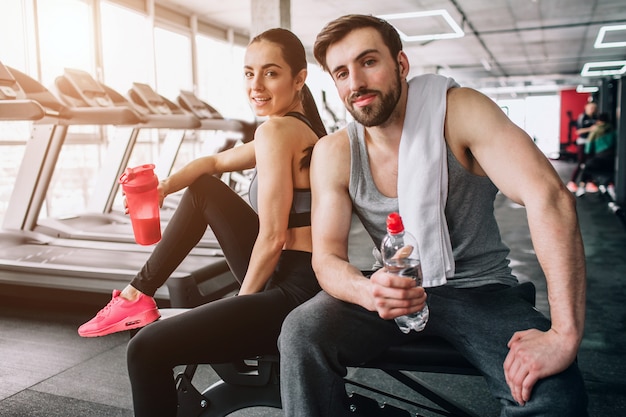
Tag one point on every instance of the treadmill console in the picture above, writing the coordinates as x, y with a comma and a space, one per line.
88, 88
197, 107
150, 99
9, 88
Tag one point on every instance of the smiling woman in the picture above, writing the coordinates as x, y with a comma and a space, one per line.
268, 249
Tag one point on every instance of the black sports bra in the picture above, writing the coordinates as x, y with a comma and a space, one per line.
300, 213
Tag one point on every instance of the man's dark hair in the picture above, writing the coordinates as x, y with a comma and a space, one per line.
338, 29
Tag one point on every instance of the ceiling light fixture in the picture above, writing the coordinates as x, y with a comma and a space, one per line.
594, 69
600, 43
522, 89
586, 89
457, 32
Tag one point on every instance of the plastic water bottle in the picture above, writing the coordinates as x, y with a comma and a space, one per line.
400, 257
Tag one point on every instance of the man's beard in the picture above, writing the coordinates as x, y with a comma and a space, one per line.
376, 114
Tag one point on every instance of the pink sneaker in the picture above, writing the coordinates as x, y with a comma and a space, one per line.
121, 314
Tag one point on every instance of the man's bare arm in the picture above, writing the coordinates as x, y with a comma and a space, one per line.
331, 215
494, 146
391, 296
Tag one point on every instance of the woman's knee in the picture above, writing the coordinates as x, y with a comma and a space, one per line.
213, 197
142, 348
135, 348
205, 183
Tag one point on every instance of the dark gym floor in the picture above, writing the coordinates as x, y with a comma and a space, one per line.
47, 370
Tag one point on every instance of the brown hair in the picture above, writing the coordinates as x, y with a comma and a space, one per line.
341, 27
295, 56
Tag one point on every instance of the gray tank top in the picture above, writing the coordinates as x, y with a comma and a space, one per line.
480, 256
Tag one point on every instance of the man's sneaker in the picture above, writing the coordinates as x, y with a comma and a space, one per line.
572, 186
121, 314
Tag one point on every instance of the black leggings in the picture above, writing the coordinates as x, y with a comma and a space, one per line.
208, 201
220, 331
580, 160
602, 164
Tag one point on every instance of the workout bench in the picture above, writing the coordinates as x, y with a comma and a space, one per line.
255, 382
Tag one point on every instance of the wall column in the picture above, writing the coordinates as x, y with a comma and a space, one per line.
620, 122
267, 14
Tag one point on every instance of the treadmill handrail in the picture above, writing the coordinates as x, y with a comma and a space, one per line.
117, 116
53, 107
21, 110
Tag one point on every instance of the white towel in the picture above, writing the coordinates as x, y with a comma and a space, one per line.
423, 176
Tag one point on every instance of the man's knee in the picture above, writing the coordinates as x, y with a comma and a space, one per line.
306, 327
561, 395
295, 329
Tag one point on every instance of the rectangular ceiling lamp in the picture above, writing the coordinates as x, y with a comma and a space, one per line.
595, 69
586, 89
411, 18
614, 43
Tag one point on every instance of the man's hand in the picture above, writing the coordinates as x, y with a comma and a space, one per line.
534, 355
394, 296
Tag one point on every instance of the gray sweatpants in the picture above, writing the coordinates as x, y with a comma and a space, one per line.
324, 334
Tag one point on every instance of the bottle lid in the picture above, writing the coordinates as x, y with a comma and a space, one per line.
139, 179
394, 223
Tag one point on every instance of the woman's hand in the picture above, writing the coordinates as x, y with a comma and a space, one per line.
125, 202
161, 189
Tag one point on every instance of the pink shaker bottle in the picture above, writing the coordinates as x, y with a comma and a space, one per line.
140, 186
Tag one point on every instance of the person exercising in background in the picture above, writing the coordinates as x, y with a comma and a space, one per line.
599, 155
584, 126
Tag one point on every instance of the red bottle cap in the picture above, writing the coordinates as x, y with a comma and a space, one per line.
394, 223
139, 179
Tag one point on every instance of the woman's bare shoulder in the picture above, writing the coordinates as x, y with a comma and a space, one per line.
282, 127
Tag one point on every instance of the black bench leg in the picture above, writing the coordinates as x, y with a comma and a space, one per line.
247, 386
363, 406
224, 398
190, 402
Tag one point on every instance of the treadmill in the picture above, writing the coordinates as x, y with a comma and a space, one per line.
237, 131
210, 117
148, 101
13, 102
100, 222
32, 259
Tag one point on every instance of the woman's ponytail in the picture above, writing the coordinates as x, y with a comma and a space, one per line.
311, 112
